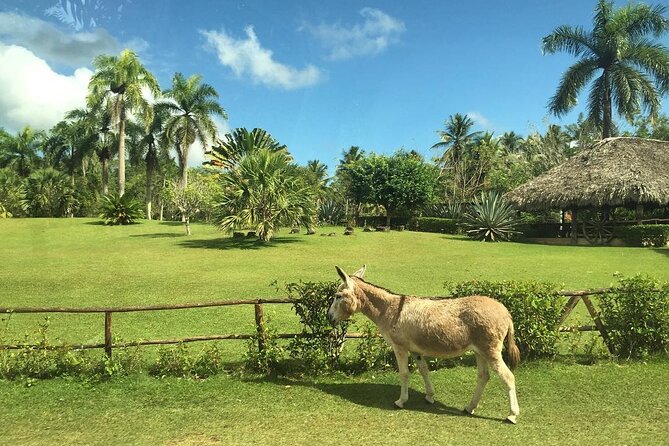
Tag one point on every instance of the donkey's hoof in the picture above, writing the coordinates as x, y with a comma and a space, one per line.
429, 399
511, 419
466, 411
398, 404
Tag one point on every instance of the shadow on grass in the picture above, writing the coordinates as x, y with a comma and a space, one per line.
160, 235
171, 223
380, 396
95, 223
236, 243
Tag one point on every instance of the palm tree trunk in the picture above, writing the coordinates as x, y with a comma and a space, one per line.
121, 152
607, 118
105, 175
184, 167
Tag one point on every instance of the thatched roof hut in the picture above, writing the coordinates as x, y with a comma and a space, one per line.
614, 172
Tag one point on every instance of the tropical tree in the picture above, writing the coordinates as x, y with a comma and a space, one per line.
630, 71
120, 81
234, 146
264, 192
402, 181
12, 193
49, 194
511, 141
455, 139
20, 152
191, 105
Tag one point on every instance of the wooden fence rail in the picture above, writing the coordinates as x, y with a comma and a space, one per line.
108, 345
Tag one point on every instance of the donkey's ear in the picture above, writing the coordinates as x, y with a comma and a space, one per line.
344, 277
361, 272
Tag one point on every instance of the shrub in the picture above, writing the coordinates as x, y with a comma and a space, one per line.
534, 306
646, 235
636, 315
491, 219
372, 351
433, 224
120, 210
331, 212
266, 360
319, 345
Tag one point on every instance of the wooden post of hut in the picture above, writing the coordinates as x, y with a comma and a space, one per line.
574, 226
639, 213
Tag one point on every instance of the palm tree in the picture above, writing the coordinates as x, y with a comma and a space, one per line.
633, 71
191, 104
455, 138
264, 191
234, 146
20, 152
511, 141
120, 80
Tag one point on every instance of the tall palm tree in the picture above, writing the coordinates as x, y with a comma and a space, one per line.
120, 80
511, 141
455, 138
629, 70
191, 104
20, 152
234, 146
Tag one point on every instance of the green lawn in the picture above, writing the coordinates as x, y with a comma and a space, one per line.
560, 405
61, 262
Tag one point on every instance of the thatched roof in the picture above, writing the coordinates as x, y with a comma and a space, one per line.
613, 172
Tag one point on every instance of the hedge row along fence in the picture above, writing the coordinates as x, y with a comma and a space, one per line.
633, 317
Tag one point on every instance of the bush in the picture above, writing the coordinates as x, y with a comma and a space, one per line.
178, 361
372, 351
636, 315
319, 345
120, 210
534, 306
266, 360
433, 224
646, 235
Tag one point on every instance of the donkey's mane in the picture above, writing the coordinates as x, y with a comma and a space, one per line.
380, 287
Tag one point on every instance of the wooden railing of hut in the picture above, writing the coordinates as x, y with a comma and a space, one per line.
574, 298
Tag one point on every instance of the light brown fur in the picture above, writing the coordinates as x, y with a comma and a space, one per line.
436, 328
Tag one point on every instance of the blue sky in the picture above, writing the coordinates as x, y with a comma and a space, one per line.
319, 76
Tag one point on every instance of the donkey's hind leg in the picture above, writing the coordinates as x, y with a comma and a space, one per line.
481, 381
425, 373
402, 357
498, 365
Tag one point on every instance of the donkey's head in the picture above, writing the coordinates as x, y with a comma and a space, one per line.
346, 301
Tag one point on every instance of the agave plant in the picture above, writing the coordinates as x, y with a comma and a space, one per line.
491, 219
120, 210
331, 212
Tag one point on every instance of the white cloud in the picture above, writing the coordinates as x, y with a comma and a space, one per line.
246, 57
373, 36
50, 43
480, 120
196, 155
34, 94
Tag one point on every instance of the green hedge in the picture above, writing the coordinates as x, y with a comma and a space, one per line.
636, 316
646, 235
534, 306
434, 224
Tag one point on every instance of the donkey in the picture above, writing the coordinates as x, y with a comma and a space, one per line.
436, 328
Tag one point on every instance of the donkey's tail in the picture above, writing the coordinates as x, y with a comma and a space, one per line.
512, 349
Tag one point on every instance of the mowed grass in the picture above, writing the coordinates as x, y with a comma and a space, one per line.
78, 262
61, 262
604, 404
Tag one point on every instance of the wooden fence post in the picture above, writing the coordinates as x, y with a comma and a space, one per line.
260, 327
108, 334
598, 323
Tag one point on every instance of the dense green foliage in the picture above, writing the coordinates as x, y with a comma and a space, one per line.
646, 235
401, 182
636, 316
491, 219
434, 224
534, 306
120, 210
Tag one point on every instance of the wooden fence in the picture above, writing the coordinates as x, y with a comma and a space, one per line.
574, 298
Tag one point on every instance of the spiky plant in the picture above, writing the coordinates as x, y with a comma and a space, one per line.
491, 219
120, 210
331, 212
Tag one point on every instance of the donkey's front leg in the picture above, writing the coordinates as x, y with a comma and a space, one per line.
402, 357
425, 373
